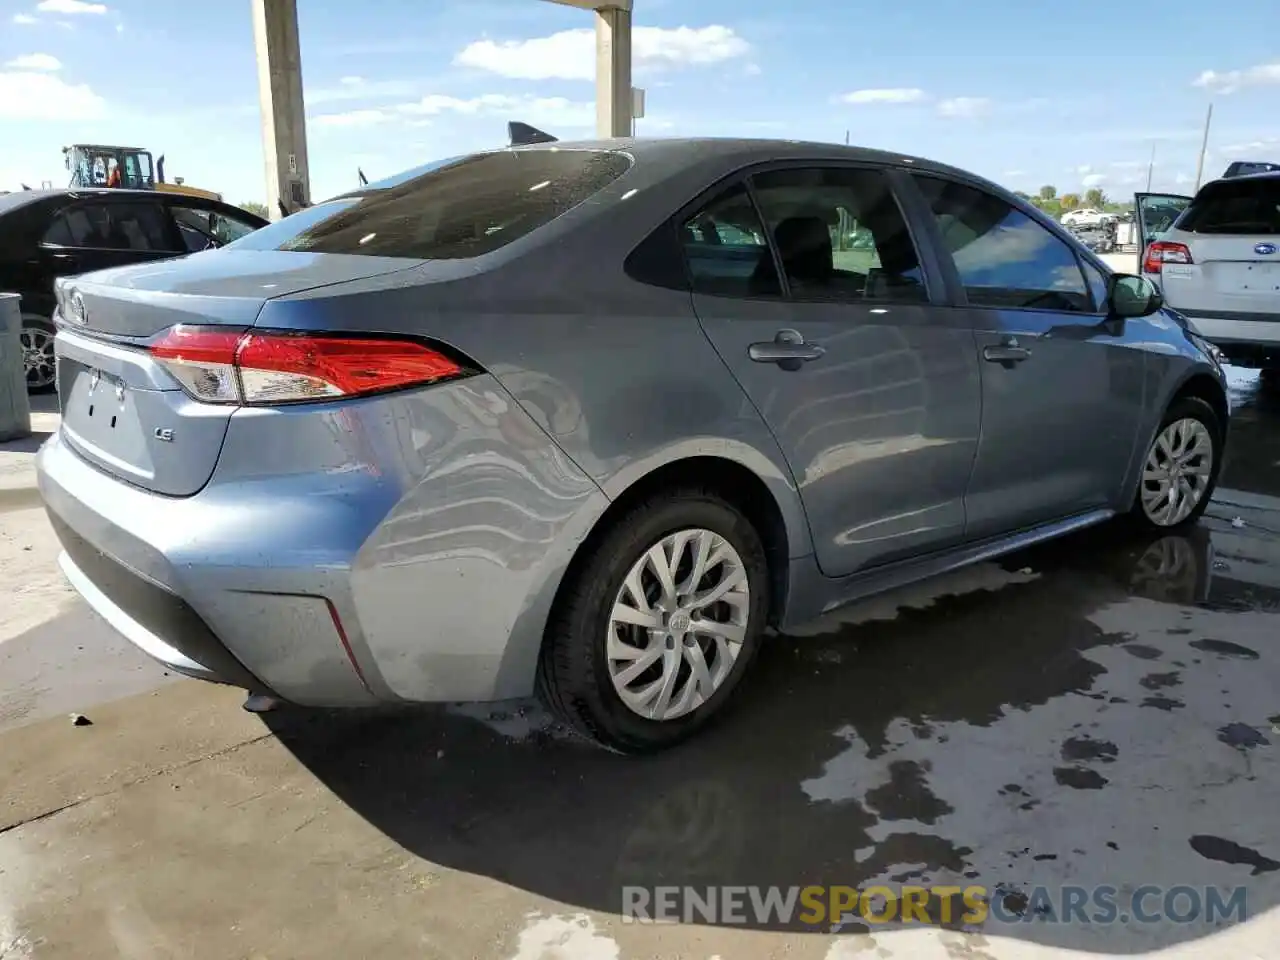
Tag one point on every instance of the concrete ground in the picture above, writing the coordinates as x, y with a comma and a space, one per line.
1099, 711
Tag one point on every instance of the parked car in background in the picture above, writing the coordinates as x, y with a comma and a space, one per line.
46, 234
586, 418
1085, 216
1242, 168
1216, 257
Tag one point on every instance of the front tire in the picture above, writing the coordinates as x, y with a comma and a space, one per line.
657, 622
1181, 467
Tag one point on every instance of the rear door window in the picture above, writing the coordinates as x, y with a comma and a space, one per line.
1247, 206
457, 210
111, 226
840, 235
726, 250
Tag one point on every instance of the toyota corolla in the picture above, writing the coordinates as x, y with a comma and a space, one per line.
586, 418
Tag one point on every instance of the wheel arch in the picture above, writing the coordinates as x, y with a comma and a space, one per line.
1199, 382
1203, 386
765, 496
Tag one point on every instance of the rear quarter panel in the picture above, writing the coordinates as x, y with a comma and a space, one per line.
617, 372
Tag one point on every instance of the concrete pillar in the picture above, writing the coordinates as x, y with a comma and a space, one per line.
613, 71
15, 407
284, 121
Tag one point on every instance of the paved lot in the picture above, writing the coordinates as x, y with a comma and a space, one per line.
1100, 711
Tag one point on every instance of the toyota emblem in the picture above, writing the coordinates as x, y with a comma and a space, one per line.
77, 313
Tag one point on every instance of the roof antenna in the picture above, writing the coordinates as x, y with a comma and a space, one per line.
284, 211
364, 181
521, 134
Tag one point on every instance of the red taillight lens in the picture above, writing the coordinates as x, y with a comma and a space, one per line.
218, 366
1160, 253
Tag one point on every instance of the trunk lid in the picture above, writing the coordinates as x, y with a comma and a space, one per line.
1233, 267
121, 409
1231, 274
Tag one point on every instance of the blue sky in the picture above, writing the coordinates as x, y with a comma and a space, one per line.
1023, 92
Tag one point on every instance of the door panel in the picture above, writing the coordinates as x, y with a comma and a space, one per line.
1062, 392
879, 424
1058, 428
1153, 214
880, 431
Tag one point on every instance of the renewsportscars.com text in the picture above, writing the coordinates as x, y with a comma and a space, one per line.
971, 905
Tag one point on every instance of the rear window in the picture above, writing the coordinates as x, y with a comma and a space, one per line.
1249, 207
449, 210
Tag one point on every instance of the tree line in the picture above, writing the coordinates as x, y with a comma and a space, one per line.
1095, 198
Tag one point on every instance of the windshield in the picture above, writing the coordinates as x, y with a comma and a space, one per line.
450, 209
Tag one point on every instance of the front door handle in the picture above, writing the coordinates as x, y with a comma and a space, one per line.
1007, 353
787, 349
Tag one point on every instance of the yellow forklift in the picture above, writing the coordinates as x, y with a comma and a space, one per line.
131, 168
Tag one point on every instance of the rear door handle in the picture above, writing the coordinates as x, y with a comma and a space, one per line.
1007, 353
787, 349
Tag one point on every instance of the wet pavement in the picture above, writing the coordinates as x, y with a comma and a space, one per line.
1098, 711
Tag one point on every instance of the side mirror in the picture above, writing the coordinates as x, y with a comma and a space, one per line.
1131, 297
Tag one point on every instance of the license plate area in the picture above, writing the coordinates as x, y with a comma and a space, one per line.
101, 415
1247, 278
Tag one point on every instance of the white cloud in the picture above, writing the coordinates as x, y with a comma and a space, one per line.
884, 95
571, 54
28, 95
1253, 147
358, 88
1129, 164
1094, 180
1232, 80
35, 61
70, 6
1184, 178
1014, 173
1085, 168
964, 106
555, 112
23, 19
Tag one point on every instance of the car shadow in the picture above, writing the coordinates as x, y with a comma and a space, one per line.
44, 402
922, 744
28, 444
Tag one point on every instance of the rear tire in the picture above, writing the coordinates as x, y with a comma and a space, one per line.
637, 675
37, 353
1180, 468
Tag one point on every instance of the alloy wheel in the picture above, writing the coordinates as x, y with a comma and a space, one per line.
37, 357
678, 624
1176, 475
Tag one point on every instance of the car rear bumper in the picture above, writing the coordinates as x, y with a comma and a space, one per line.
135, 558
400, 548
1252, 339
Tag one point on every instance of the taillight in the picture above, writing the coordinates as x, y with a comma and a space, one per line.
263, 368
1160, 253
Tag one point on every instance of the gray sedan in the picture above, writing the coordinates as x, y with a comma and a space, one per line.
587, 418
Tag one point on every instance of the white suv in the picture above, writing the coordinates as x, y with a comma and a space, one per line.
1216, 258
